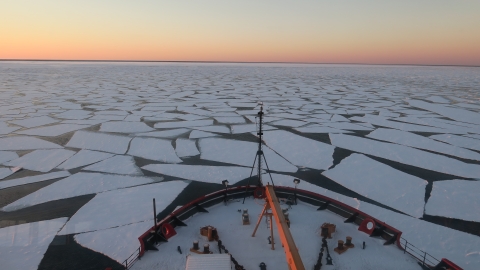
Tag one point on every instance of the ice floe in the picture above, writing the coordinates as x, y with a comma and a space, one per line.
173, 133
421, 142
230, 120
41, 160
181, 124
319, 129
52, 131
300, 151
196, 134
217, 129
125, 127
186, 148
207, 174
23, 246
34, 121
5, 172
154, 149
457, 114
455, 199
381, 183
123, 206
380, 121
459, 141
406, 155
289, 123
25, 143
74, 115
241, 153
99, 141
5, 129
83, 158
116, 165
32, 179
81, 183
7, 156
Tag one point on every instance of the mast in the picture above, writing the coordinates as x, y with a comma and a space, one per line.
260, 151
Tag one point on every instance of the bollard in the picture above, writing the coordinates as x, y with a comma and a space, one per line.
195, 245
206, 248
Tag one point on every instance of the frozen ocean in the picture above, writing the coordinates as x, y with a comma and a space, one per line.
97, 141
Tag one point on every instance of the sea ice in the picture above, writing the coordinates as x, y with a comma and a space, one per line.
186, 148
32, 179
381, 183
154, 149
319, 129
125, 127
5, 129
23, 246
117, 165
457, 114
25, 143
99, 141
196, 134
289, 123
421, 142
180, 124
123, 206
7, 156
74, 115
173, 133
380, 121
236, 129
82, 158
230, 120
241, 153
5, 172
406, 155
299, 150
455, 199
81, 183
217, 129
208, 174
52, 131
41, 160
34, 122
459, 141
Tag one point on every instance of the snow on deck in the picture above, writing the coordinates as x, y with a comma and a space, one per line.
381, 183
23, 246
455, 199
406, 155
251, 251
123, 206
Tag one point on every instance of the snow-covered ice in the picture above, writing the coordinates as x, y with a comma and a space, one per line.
299, 150
5, 129
172, 133
116, 165
123, 206
197, 134
83, 158
32, 179
99, 141
457, 114
459, 141
406, 155
125, 127
23, 246
41, 160
381, 183
241, 153
217, 129
230, 120
34, 121
455, 199
421, 142
181, 124
236, 129
52, 131
154, 149
186, 148
319, 129
25, 143
4, 173
207, 174
7, 156
76, 185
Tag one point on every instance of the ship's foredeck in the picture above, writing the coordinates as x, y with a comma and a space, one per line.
251, 251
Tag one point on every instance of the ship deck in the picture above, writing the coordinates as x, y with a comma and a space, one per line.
251, 251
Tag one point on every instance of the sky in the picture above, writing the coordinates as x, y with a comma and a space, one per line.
429, 32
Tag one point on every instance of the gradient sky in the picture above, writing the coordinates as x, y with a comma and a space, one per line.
321, 31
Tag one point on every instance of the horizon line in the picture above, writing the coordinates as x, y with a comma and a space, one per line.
228, 62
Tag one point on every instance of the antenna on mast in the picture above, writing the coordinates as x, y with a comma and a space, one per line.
259, 155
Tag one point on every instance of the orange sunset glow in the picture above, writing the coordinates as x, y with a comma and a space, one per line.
443, 32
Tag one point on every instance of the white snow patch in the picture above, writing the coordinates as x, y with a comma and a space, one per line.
241, 153
122, 207
208, 174
117, 165
23, 246
154, 149
82, 158
186, 148
455, 199
76, 185
99, 141
32, 179
41, 160
299, 150
381, 183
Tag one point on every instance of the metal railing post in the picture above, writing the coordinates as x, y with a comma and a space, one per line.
405, 249
424, 255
